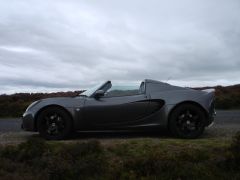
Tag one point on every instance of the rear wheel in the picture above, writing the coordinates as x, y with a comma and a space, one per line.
187, 121
54, 124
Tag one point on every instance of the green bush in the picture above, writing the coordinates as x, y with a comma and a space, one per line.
73, 161
235, 150
77, 161
32, 149
130, 159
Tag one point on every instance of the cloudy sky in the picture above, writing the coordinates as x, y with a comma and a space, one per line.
59, 45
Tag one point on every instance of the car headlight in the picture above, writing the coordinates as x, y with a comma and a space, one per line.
32, 105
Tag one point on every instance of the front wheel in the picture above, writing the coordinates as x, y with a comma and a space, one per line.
187, 121
54, 124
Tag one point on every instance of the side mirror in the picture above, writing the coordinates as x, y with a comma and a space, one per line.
99, 93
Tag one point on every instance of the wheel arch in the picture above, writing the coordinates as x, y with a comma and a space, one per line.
187, 102
48, 106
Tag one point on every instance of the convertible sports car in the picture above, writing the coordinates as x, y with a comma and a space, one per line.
150, 104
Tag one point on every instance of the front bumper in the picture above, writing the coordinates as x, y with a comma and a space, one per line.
28, 122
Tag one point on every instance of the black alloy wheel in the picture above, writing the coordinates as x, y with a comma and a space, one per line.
187, 121
54, 124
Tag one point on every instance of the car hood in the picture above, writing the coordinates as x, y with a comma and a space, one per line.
64, 101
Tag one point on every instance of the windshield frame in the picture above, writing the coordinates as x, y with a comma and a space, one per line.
91, 91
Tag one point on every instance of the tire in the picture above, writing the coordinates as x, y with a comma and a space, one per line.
54, 124
187, 121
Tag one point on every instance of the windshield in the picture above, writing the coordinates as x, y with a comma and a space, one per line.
117, 89
124, 89
90, 91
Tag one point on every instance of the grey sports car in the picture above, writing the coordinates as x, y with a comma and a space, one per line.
150, 104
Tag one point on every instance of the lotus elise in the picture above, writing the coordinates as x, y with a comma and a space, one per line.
146, 106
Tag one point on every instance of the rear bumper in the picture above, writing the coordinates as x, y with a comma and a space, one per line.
211, 118
28, 122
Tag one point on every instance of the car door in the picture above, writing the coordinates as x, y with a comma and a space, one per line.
114, 112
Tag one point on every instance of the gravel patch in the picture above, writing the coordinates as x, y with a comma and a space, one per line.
216, 131
222, 130
8, 138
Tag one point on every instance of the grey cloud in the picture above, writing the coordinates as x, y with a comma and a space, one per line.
68, 44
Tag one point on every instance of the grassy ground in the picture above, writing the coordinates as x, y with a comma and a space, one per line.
136, 158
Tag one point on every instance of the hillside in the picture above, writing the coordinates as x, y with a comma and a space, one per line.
227, 97
14, 105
